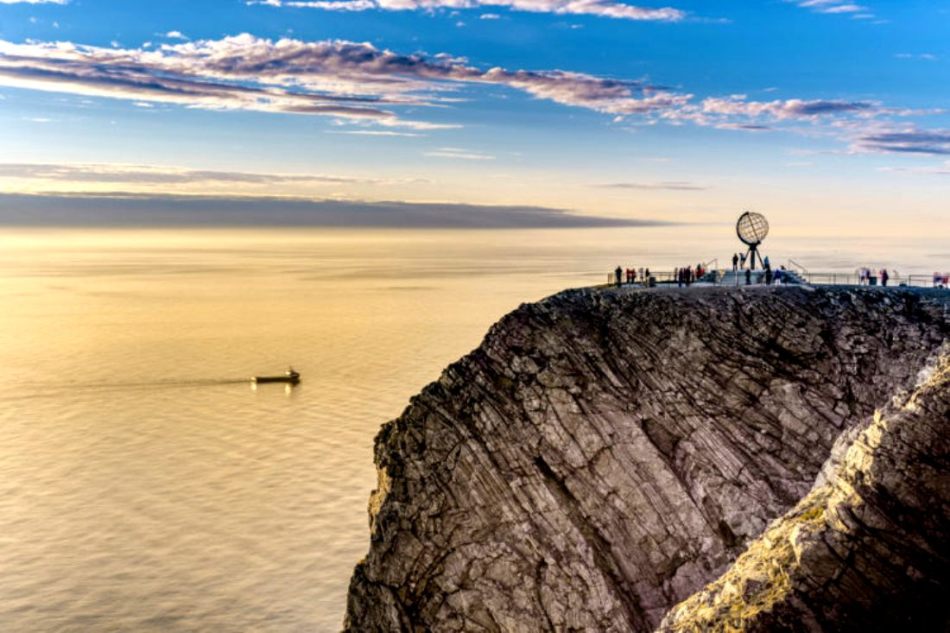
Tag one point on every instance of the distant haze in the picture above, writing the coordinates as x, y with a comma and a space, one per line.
140, 210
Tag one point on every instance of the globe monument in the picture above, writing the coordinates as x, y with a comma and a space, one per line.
752, 228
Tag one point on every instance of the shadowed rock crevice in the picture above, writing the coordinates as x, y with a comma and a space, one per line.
604, 455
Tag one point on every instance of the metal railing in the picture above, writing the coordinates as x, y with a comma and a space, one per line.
658, 277
896, 279
793, 265
717, 276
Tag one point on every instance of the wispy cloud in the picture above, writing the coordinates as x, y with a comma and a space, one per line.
836, 7
358, 83
909, 140
738, 112
346, 80
376, 133
782, 110
602, 8
666, 185
457, 153
927, 57
939, 170
146, 174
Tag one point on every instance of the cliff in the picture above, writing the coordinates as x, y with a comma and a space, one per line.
868, 549
603, 455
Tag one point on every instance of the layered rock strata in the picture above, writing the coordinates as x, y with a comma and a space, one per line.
868, 549
605, 454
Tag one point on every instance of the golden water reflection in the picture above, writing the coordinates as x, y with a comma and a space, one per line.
144, 487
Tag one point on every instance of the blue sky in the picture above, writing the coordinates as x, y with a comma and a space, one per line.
811, 108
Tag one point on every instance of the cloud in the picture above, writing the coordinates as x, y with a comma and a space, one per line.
836, 7
666, 185
346, 80
375, 133
738, 112
364, 86
928, 57
743, 127
192, 75
940, 170
456, 153
176, 35
602, 8
144, 174
784, 109
34, 1
906, 141
123, 209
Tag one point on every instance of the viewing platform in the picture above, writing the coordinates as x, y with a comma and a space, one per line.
751, 268
785, 276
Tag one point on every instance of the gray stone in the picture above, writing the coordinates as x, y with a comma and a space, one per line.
605, 454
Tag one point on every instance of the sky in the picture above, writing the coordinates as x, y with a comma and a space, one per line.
818, 113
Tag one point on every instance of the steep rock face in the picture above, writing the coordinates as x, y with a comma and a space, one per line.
603, 455
867, 550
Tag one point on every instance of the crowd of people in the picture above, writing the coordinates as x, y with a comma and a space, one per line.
866, 277
687, 275
767, 276
631, 276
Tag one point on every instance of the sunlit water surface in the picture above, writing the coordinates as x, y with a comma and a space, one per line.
145, 486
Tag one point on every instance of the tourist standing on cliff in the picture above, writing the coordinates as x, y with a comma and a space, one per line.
618, 275
748, 276
735, 262
884, 277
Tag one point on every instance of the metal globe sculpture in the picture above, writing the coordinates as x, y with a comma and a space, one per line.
752, 228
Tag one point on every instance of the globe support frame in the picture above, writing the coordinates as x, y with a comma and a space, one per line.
752, 253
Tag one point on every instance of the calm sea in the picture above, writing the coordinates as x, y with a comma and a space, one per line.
145, 486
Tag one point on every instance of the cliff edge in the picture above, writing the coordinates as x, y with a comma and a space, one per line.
603, 455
